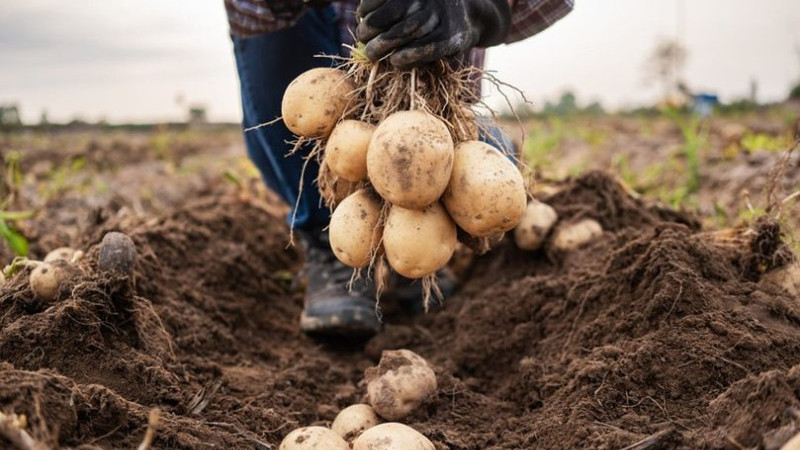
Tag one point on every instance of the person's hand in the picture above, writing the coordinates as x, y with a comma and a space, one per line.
421, 31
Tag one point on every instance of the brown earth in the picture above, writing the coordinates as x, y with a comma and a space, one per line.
658, 334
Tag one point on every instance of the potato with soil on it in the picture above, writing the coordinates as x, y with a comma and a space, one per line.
64, 253
486, 194
47, 279
574, 235
787, 277
346, 149
535, 225
400, 383
392, 436
410, 159
418, 243
117, 254
314, 101
313, 438
353, 420
354, 232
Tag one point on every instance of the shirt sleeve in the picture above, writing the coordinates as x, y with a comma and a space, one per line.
249, 18
529, 17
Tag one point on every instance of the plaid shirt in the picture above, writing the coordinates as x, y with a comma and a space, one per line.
248, 18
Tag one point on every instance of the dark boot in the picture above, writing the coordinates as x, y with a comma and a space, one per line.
408, 295
330, 308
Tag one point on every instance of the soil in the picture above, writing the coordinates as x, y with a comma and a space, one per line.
659, 335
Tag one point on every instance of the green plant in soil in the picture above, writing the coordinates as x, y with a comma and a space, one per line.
15, 240
695, 140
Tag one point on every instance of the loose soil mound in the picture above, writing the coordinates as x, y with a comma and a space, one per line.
657, 333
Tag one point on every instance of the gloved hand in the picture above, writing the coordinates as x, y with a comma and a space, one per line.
420, 31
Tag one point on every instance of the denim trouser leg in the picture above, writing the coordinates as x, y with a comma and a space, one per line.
266, 65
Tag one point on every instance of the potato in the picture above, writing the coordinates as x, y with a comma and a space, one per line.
410, 159
486, 194
392, 436
574, 235
792, 444
315, 101
47, 278
418, 243
346, 150
64, 253
354, 230
117, 254
787, 277
313, 438
536, 223
353, 420
401, 382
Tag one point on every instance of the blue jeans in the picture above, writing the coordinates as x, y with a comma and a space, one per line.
266, 65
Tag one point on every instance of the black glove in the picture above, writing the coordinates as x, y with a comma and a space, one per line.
420, 31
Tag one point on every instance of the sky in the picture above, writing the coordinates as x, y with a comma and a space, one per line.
145, 60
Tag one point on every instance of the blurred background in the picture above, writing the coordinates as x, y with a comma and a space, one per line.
150, 60
132, 106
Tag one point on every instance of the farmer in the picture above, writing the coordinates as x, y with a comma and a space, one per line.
276, 40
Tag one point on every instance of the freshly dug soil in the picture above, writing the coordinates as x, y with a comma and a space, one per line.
658, 334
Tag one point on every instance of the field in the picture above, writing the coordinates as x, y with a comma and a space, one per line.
677, 329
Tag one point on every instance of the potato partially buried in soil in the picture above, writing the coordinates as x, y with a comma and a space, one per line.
353, 420
47, 279
65, 253
486, 194
354, 231
117, 254
535, 225
315, 101
392, 436
313, 438
418, 243
400, 383
571, 236
410, 159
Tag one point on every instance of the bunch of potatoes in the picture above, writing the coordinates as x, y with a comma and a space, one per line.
400, 383
418, 184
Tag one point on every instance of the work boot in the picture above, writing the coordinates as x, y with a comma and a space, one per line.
409, 296
331, 309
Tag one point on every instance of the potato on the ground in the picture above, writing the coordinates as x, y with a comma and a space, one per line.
346, 149
787, 277
353, 420
792, 444
315, 101
410, 159
313, 438
65, 253
573, 235
418, 243
486, 194
535, 225
392, 436
399, 383
46, 279
117, 254
354, 230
